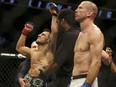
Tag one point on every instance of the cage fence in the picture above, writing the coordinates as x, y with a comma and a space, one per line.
8, 68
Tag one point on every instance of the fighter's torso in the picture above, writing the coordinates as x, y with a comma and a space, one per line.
82, 56
39, 59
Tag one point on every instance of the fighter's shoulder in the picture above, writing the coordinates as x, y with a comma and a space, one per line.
33, 44
96, 35
96, 31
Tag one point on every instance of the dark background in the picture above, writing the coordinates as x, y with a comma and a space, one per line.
15, 13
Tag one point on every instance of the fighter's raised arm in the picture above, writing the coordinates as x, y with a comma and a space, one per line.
54, 26
21, 47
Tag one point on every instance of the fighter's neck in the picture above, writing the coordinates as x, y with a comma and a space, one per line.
85, 25
42, 46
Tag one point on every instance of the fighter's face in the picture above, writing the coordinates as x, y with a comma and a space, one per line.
43, 37
81, 12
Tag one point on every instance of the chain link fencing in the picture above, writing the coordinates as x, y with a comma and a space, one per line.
8, 69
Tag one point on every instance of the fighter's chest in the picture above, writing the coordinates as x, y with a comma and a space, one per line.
39, 55
82, 43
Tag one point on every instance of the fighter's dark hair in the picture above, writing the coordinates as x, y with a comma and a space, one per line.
47, 30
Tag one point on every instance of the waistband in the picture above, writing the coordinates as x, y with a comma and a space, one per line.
79, 76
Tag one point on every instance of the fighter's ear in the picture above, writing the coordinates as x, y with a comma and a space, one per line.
89, 13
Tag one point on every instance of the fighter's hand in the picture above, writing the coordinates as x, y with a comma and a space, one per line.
53, 9
109, 51
42, 74
86, 85
22, 82
28, 27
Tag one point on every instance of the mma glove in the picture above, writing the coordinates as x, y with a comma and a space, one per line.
86, 85
42, 75
54, 9
28, 28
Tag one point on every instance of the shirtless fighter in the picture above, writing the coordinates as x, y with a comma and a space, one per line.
88, 47
41, 54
